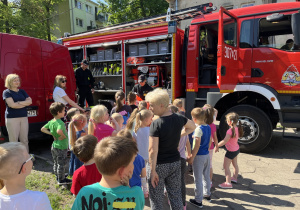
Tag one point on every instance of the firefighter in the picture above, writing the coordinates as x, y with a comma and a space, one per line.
142, 88
85, 84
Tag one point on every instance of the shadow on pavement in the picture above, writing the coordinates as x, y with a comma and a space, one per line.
262, 195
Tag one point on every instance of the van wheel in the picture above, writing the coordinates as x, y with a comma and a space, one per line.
256, 125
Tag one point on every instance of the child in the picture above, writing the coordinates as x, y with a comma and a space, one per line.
121, 108
141, 131
131, 97
70, 113
87, 174
231, 143
200, 157
114, 157
77, 125
213, 128
139, 172
15, 165
97, 126
178, 103
119, 119
142, 105
60, 144
183, 144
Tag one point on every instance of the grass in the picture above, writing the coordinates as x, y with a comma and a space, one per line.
60, 197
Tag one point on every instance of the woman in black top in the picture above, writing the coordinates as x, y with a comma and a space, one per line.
16, 101
164, 158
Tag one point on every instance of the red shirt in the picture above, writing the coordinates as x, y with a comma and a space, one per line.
85, 175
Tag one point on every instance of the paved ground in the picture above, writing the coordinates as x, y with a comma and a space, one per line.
269, 180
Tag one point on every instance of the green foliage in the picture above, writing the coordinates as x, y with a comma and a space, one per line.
28, 17
60, 197
127, 10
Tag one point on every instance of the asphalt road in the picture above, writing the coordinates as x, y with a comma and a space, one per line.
268, 180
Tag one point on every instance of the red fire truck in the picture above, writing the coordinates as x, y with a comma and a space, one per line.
243, 60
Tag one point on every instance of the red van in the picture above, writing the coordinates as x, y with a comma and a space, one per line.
37, 62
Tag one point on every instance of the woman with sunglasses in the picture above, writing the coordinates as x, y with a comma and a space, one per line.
59, 94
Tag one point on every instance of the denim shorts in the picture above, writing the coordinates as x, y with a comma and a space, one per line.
231, 155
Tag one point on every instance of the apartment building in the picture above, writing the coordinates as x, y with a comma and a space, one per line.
75, 16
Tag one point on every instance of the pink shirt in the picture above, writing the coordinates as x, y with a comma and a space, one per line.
213, 129
232, 145
102, 130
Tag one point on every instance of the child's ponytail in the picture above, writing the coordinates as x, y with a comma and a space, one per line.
131, 119
209, 114
73, 134
240, 127
232, 131
138, 122
120, 96
91, 127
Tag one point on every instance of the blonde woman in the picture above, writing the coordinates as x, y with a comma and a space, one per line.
16, 101
164, 158
59, 94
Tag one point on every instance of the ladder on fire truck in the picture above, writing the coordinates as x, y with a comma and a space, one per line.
171, 16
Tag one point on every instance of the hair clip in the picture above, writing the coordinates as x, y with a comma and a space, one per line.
91, 120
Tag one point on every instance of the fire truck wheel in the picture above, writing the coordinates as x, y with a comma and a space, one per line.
256, 125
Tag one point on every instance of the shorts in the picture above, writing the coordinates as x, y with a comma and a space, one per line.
231, 155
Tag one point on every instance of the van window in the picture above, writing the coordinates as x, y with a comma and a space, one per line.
277, 34
230, 31
246, 39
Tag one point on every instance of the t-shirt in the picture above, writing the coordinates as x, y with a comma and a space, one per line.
125, 112
181, 147
102, 130
27, 200
84, 78
232, 145
213, 129
21, 95
142, 90
83, 176
133, 107
142, 140
54, 125
203, 132
97, 197
58, 95
139, 164
168, 130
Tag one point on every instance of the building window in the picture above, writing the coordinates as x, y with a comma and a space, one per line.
78, 4
88, 9
79, 22
247, 4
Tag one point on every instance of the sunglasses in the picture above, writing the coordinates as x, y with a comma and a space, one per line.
63, 81
31, 158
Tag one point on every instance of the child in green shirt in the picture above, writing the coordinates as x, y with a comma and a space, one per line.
60, 144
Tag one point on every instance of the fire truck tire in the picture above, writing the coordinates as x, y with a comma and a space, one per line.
257, 128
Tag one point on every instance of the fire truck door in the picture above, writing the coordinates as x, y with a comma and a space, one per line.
227, 66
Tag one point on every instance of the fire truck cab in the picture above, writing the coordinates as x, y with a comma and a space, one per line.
246, 61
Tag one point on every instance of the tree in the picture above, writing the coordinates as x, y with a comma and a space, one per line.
28, 17
127, 10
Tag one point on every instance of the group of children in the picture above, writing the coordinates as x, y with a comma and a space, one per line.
113, 151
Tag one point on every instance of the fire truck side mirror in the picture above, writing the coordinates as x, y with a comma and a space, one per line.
275, 17
296, 28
